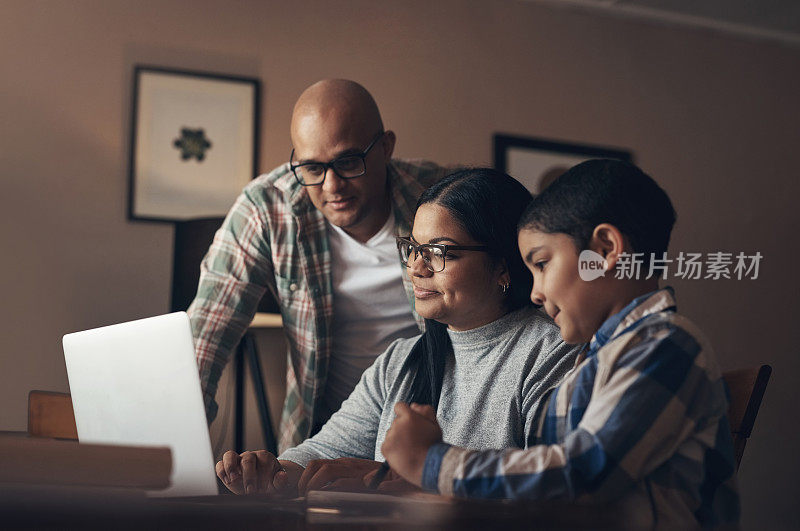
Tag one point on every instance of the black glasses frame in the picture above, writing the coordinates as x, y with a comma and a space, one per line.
332, 164
443, 247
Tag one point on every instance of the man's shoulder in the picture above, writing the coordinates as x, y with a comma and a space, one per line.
277, 181
420, 171
274, 193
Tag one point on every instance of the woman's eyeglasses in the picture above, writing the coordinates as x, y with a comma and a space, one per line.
433, 254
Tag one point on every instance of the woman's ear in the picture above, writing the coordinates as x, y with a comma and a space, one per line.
504, 277
608, 242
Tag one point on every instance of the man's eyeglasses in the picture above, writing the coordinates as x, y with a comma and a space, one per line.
433, 254
347, 167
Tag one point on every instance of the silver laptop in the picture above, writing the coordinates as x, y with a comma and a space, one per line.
137, 383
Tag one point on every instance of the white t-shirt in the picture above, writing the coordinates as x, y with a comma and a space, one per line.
370, 307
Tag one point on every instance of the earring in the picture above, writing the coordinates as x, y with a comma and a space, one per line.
505, 287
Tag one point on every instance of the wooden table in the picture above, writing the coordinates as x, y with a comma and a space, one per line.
82, 508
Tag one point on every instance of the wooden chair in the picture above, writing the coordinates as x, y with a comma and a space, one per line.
746, 387
51, 415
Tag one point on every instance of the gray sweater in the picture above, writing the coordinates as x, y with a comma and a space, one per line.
491, 386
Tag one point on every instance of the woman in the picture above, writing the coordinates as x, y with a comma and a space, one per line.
484, 360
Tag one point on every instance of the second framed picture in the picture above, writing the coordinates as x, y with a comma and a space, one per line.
536, 162
194, 143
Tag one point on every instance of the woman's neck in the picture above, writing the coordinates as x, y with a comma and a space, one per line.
479, 319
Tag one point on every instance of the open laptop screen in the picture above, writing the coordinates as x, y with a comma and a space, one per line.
137, 383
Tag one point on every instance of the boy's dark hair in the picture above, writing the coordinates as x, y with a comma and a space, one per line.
604, 191
487, 204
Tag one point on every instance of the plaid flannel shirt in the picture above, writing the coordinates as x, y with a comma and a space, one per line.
274, 239
641, 421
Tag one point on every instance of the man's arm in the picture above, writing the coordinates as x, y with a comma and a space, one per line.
233, 277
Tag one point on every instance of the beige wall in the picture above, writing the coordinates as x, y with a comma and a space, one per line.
713, 117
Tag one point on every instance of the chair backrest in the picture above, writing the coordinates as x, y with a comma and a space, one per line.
746, 387
50, 415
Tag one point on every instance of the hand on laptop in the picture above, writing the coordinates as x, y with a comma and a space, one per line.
258, 473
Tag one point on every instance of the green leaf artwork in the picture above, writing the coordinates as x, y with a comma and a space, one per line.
192, 143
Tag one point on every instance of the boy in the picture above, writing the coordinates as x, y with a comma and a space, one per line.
640, 421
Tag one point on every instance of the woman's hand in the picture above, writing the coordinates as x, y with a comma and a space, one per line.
412, 433
258, 473
345, 473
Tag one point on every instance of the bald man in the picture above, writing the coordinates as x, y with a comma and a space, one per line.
318, 233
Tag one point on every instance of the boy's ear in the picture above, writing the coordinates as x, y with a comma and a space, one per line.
608, 242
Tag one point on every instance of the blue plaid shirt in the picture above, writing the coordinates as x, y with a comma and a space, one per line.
639, 422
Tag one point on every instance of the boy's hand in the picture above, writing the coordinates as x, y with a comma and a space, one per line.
413, 431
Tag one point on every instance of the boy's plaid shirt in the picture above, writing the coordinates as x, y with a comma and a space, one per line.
274, 238
641, 421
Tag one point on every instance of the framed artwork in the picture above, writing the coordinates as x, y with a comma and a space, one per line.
194, 143
536, 162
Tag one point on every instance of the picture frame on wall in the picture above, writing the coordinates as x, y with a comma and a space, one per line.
536, 162
194, 143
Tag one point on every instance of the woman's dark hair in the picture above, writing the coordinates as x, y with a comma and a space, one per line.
604, 191
487, 204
